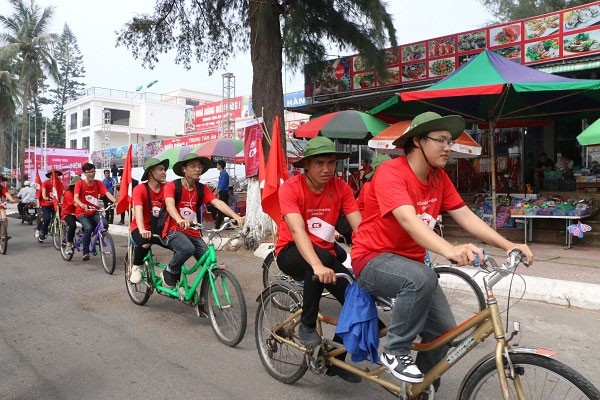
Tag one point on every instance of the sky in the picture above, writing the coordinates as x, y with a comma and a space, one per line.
95, 24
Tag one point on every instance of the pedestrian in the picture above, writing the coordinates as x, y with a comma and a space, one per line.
115, 172
221, 191
109, 183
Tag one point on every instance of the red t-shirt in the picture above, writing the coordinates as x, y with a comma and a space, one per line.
47, 185
68, 204
187, 207
140, 198
395, 185
319, 211
360, 200
3, 192
89, 194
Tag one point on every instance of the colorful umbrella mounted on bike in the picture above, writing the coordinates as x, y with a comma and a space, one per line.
173, 154
220, 149
349, 126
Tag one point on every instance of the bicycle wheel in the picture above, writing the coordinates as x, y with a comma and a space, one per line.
272, 275
541, 378
56, 232
229, 319
108, 254
282, 361
463, 293
3, 236
139, 293
63, 245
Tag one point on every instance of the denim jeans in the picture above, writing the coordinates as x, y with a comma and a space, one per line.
47, 214
88, 224
420, 307
183, 247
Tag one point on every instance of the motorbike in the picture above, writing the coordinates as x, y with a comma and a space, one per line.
29, 214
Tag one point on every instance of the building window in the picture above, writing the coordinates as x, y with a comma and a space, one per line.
73, 124
119, 117
85, 117
73, 144
85, 142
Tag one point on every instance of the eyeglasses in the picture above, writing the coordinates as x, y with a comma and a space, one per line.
90, 172
442, 142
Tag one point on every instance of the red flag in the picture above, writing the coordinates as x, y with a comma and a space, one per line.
57, 190
275, 173
261, 164
124, 200
38, 185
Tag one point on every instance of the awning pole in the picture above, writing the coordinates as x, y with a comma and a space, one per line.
493, 174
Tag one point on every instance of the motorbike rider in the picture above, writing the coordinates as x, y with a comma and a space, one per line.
26, 196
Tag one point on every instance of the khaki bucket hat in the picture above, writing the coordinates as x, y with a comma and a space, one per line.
319, 146
429, 122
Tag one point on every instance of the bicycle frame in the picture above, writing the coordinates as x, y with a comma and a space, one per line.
205, 264
94, 239
486, 322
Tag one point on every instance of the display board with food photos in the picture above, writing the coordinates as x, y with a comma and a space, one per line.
563, 34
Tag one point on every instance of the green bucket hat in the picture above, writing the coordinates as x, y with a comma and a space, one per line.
429, 122
206, 163
150, 163
74, 180
319, 146
377, 161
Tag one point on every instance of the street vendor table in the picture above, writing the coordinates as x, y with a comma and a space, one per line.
528, 226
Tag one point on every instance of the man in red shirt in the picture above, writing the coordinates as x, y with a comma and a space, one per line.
402, 202
4, 193
310, 206
87, 194
67, 212
145, 210
47, 204
183, 240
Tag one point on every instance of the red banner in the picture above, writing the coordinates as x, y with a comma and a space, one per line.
211, 115
67, 161
252, 135
191, 140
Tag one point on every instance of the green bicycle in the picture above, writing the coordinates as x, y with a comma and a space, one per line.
215, 292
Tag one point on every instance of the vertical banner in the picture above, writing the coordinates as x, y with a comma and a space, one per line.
252, 136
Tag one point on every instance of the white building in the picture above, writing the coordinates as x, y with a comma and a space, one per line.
134, 117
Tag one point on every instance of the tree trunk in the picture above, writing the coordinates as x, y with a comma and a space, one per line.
2, 147
267, 99
24, 134
267, 62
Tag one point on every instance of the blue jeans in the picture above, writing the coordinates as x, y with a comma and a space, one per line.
88, 224
183, 247
420, 307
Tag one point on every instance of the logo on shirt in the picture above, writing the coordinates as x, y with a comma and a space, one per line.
321, 229
155, 211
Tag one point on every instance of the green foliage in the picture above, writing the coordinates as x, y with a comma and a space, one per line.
511, 10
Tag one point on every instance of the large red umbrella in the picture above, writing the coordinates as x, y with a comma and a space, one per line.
349, 126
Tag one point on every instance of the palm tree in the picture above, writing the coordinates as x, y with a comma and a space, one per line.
29, 45
8, 95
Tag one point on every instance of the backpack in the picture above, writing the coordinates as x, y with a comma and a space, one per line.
157, 223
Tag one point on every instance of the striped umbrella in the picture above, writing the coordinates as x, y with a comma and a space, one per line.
347, 126
220, 149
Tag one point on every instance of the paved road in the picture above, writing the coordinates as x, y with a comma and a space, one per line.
69, 331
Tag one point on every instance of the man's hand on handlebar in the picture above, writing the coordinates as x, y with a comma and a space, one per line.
183, 223
523, 248
145, 234
325, 275
464, 254
239, 220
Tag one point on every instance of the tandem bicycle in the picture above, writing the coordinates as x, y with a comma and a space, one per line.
510, 372
215, 293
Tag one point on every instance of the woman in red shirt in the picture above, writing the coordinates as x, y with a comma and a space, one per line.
4, 193
144, 209
47, 203
67, 212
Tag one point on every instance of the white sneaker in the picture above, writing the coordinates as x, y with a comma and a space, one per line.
37, 233
69, 250
136, 274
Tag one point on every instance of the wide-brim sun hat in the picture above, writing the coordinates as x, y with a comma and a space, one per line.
3, 178
429, 122
74, 180
377, 161
57, 172
206, 163
320, 145
151, 163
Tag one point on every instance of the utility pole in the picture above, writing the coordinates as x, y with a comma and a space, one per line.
106, 119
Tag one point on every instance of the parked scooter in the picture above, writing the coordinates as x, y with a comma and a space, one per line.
29, 214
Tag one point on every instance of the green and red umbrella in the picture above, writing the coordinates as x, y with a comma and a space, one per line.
220, 149
347, 126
